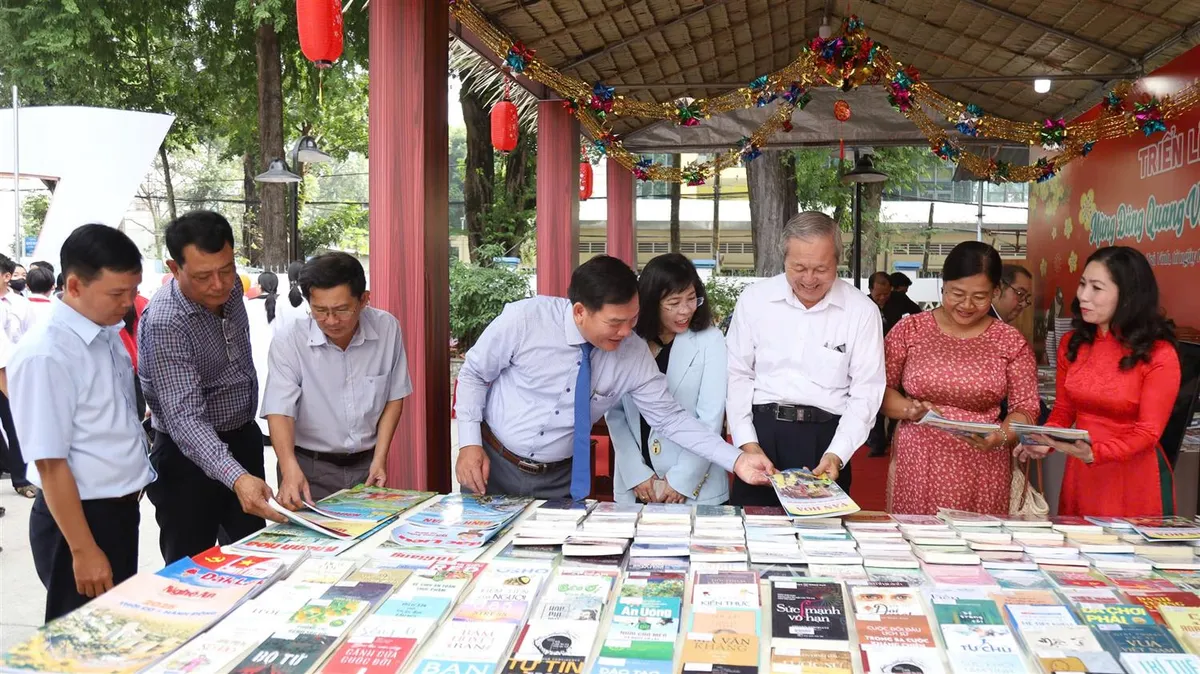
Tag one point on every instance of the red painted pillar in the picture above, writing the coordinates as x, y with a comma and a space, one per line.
622, 214
557, 198
410, 237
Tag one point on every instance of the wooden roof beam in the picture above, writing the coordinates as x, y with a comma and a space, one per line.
652, 30
982, 4
538, 90
980, 79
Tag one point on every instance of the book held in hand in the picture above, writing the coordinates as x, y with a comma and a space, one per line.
804, 495
966, 429
1027, 431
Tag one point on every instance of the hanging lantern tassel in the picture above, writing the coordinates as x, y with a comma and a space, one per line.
585, 180
319, 23
841, 112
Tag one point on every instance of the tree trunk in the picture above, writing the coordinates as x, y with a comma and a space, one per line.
928, 236
273, 217
674, 245
251, 236
166, 163
872, 201
480, 167
716, 230
519, 167
772, 203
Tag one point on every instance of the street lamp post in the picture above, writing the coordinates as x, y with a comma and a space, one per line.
304, 152
864, 172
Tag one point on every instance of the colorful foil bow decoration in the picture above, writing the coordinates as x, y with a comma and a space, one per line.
518, 57
946, 151
998, 171
642, 169
1149, 116
1046, 169
570, 105
1087, 148
758, 89
852, 24
693, 176
602, 100
1053, 133
797, 96
749, 150
787, 126
600, 145
968, 120
900, 88
687, 113
1113, 102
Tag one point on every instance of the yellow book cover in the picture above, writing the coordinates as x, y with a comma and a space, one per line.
740, 650
1184, 622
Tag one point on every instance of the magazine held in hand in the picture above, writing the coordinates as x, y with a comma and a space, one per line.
804, 495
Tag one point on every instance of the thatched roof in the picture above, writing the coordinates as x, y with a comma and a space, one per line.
981, 51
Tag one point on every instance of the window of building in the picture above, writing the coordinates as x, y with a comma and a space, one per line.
655, 188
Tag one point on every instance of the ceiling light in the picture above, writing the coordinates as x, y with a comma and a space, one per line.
825, 30
1041, 85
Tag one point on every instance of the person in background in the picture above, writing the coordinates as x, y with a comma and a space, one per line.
16, 318
546, 369
129, 332
268, 282
677, 326
880, 286
40, 283
59, 284
961, 362
1016, 293
17, 282
899, 304
202, 391
76, 410
805, 362
1118, 377
336, 385
5, 353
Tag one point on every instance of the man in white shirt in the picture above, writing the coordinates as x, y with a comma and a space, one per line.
77, 412
40, 282
806, 372
15, 321
546, 369
336, 385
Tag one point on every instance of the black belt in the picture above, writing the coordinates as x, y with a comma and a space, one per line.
336, 458
522, 463
797, 413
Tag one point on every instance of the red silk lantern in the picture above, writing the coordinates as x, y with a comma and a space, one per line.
585, 180
841, 110
319, 23
504, 126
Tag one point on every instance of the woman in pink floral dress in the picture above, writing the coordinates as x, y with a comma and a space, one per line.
962, 362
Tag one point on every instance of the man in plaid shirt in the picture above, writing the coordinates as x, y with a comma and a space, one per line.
202, 390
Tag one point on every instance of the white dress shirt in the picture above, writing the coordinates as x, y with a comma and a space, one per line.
520, 377
18, 319
829, 357
40, 308
336, 396
77, 403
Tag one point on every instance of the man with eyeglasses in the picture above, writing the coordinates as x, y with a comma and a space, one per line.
200, 384
336, 385
1016, 293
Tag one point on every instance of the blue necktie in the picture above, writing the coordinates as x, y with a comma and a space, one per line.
581, 453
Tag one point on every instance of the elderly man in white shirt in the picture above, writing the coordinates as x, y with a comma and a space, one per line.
336, 385
806, 369
546, 369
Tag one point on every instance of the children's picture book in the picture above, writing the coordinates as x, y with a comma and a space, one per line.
804, 495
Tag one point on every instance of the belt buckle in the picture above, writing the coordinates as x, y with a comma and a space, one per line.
531, 467
788, 413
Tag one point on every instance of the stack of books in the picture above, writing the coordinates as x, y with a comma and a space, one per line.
718, 539
466, 523
562, 631
723, 633
809, 631
975, 634
644, 626
552, 522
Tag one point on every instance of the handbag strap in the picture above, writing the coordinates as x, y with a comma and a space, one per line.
1028, 486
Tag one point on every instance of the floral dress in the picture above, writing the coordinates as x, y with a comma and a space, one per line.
966, 379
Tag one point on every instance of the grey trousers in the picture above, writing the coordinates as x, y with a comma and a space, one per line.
324, 478
505, 478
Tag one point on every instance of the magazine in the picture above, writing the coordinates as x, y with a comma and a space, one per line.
460, 521
1027, 431
1165, 528
968, 429
374, 504
804, 495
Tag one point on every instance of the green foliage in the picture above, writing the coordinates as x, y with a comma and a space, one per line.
458, 163
332, 228
818, 186
33, 213
721, 295
478, 295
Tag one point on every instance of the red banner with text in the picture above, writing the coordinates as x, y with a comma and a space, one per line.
1134, 191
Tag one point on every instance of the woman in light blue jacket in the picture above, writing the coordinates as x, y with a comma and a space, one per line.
690, 350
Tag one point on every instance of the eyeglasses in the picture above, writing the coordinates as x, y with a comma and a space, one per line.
323, 314
1023, 296
225, 332
684, 305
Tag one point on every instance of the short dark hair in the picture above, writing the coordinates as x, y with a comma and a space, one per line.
662, 276
93, 248
602, 280
206, 230
60, 281
44, 265
899, 279
970, 258
7, 266
877, 277
332, 270
39, 280
1010, 272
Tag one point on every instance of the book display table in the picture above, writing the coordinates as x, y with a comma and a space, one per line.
519, 586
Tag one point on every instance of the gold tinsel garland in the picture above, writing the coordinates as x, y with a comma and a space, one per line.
854, 60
